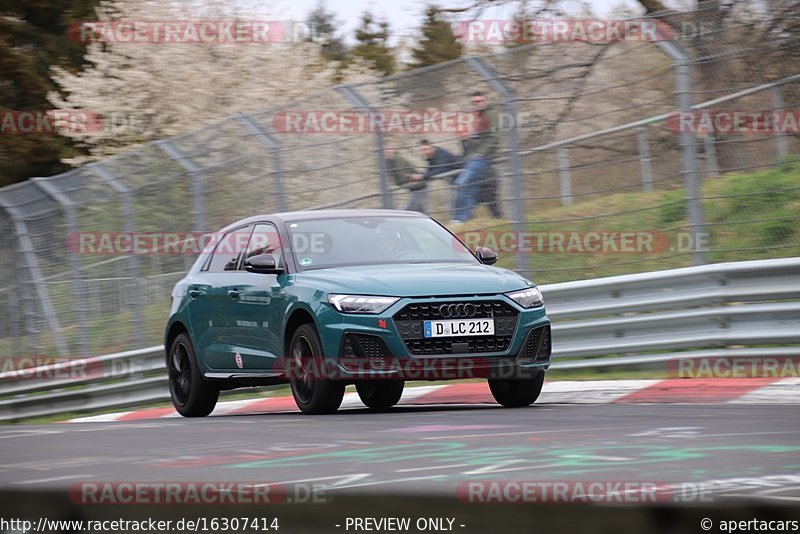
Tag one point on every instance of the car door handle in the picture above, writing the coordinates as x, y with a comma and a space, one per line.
194, 293
233, 293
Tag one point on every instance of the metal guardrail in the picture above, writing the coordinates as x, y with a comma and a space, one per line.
726, 309
128, 378
719, 305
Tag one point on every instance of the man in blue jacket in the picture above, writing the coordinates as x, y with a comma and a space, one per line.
439, 161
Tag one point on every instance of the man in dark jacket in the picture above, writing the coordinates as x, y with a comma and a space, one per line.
439, 160
398, 167
405, 175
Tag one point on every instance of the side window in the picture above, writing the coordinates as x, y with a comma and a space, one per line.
265, 240
226, 254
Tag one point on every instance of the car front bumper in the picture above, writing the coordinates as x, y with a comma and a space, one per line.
391, 345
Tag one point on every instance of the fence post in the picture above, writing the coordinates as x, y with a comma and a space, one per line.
274, 145
31, 266
195, 173
29, 323
781, 145
645, 161
564, 176
130, 227
710, 147
688, 142
17, 303
522, 261
356, 99
29, 315
78, 293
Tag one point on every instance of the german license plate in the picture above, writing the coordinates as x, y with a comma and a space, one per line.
459, 327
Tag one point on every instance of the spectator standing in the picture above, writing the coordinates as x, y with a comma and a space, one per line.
480, 147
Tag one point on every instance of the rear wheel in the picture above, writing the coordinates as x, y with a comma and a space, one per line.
518, 392
313, 393
192, 395
380, 394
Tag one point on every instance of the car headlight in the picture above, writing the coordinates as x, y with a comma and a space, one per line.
527, 298
360, 303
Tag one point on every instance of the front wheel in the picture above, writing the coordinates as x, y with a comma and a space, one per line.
312, 392
191, 395
518, 392
380, 394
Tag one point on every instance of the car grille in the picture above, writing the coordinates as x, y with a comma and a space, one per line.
537, 345
410, 318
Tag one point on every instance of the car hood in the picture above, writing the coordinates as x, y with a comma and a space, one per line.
414, 280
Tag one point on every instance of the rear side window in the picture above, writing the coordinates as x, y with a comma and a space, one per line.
227, 252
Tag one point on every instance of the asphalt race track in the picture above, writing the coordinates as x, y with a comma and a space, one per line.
720, 462
735, 450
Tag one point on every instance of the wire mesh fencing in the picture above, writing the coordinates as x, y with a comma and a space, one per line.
611, 157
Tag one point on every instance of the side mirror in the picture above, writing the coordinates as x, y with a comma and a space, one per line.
486, 255
262, 263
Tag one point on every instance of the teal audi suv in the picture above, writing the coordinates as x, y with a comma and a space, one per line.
374, 298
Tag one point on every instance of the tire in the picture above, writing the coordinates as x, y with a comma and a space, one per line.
192, 395
312, 392
517, 393
380, 394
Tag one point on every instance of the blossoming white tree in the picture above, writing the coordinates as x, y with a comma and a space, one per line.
158, 89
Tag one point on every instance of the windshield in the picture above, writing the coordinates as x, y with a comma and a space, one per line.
323, 243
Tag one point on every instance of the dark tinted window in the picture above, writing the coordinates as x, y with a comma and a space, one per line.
227, 252
265, 240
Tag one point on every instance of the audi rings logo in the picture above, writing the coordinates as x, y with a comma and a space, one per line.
452, 311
